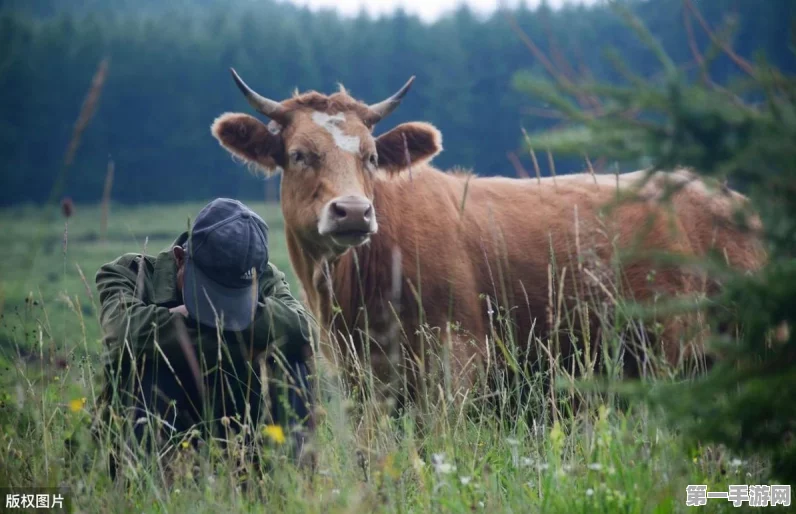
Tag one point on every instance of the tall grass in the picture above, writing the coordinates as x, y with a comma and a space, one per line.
464, 456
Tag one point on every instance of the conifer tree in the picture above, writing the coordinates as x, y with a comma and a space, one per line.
740, 133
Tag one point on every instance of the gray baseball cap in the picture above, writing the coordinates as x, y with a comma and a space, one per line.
226, 249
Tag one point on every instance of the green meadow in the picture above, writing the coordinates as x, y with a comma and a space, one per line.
610, 456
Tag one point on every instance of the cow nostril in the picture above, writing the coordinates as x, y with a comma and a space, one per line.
338, 211
369, 212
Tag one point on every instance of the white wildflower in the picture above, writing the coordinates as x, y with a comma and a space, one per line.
526, 462
736, 462
465, 480
595, 466
335, 491
511, 441
445, 468
542, 467
589, 491
440, 466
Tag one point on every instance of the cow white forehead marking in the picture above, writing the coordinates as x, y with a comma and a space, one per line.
332, 125
274, 127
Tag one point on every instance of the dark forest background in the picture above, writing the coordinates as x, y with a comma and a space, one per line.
168, 79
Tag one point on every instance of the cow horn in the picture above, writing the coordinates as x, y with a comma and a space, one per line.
265, 106
380, 110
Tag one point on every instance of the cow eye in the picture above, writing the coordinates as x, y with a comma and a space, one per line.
298, 157
373, 160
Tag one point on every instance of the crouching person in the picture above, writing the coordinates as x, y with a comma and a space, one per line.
204, 341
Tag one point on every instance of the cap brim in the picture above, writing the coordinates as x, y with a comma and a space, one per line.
212, 304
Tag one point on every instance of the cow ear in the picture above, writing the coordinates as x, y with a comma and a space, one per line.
247, 137
416, 142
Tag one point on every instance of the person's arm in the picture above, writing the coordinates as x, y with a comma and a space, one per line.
125, 317
283, 320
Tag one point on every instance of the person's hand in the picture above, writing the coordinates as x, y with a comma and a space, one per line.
180, 309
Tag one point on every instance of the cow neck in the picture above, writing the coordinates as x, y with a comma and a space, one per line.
322, 276
362, 276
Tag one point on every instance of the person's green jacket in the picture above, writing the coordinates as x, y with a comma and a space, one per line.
136, 292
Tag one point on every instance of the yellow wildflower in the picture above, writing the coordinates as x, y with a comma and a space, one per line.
77, 404
275, 433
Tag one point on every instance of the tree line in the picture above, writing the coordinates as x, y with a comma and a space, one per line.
168, 79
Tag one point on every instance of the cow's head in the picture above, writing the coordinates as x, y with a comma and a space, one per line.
329, 158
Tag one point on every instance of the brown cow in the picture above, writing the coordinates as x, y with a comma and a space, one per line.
398, 258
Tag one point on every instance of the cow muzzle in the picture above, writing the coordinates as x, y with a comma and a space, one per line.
348, 220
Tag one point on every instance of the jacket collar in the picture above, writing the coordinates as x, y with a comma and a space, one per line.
164, 277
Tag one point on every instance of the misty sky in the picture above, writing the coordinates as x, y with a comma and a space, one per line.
429, 10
